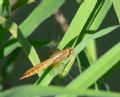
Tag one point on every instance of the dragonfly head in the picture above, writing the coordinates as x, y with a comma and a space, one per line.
70, 51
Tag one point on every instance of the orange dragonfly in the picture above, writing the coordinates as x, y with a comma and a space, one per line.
54, 59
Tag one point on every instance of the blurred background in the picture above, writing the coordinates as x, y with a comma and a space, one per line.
53, 29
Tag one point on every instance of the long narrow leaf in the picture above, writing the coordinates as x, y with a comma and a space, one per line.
15, 31
90, 37
77, 50
40, 13
116, 4
98, 69
30, 91
94, 23
91, 48
78, 22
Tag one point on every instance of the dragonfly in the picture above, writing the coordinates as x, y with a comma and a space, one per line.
54, 59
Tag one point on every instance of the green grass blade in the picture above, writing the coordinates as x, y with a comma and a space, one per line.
47, 79
78, 16
1, 1
49, 74
96, 21
31, 91
101, 15
98, 69
5, 50
91, 51
91, 48
39, 14
16, 33
79, 64
42, 12
90, 37
9, 46
78, 22
6, 8
116, 4
87, 39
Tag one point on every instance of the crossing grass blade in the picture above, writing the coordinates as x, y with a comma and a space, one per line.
90, 37
30, 91
16, 33
74, 29
83, 44
101, 15
116, 4
91, 48
44, 10
98, 69
9, 45
97, 18
78, 22
48, 77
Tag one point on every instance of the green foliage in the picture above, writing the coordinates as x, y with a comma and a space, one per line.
29, 90
81, 35
116, 7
